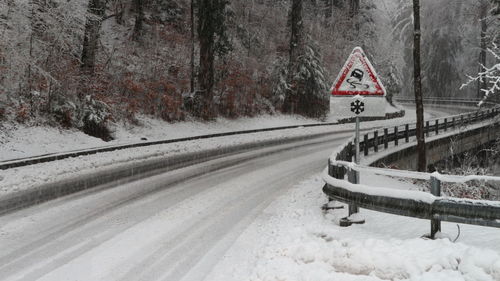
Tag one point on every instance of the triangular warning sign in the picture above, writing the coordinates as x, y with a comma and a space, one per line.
358, 77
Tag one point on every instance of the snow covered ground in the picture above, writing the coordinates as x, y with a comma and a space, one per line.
303, 243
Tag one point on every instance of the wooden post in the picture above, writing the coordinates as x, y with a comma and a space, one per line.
445, 124
375, 141
437, 127
427, 128
436, 191
396, 137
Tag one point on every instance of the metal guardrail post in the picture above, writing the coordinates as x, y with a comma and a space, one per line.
375, 141
462, 120
353, 177
436, 191
436, 127
453, 122
445, 124
386, 138
365, 146
427, 128
407, 133
396, 137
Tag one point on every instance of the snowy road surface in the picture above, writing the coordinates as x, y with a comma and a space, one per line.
239, 217
155, 229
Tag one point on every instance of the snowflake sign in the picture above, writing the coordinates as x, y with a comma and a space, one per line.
357, 107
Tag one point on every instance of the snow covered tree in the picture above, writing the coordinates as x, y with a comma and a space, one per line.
491, 74
280, 85
213, 40
307, 94
308, 88
96, 10
488, 77
417, 82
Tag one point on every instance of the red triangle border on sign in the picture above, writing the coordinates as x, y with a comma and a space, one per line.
358, 53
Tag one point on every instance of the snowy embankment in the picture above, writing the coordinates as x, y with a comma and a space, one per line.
20, 141
298, 241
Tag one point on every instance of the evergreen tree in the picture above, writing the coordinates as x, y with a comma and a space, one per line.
307, 94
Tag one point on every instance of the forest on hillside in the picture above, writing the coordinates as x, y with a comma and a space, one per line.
84, 63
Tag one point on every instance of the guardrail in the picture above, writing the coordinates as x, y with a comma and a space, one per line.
416, 204
449, 100
435, 209
372, 142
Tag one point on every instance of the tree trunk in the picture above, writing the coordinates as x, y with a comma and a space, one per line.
296, 49
354, 7
482, 54
328, 6
139, 20
192, 47
207, 53
96, 11
417, 80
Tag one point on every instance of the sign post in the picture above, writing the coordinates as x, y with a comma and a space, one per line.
357, 92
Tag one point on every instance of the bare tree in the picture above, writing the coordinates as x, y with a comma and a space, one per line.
192, 48
483, 9
296, 48
417, 81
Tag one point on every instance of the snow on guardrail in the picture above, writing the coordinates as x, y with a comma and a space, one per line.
407, 202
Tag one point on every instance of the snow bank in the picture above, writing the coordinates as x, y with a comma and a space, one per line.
309, 245
379, 191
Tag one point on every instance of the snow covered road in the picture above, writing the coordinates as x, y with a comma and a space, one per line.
161, 228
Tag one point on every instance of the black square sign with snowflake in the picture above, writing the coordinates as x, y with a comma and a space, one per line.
357, 107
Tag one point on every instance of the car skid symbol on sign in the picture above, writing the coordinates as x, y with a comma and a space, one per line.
357, 107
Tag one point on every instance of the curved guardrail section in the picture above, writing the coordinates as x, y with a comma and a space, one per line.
409, 203
416, 204
371, 142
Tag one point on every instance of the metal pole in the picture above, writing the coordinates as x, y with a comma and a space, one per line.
356, 160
